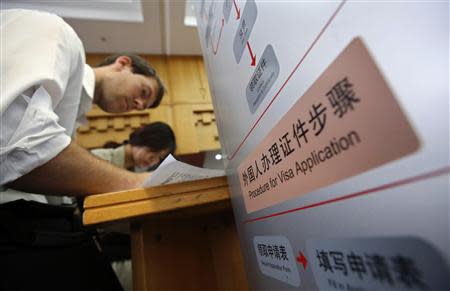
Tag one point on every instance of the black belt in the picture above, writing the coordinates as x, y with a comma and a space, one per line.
35, 224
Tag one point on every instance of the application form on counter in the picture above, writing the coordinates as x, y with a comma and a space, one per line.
173, 171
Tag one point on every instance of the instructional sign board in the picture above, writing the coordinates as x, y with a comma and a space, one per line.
245, 28
276, 259
329, 134
399, 263
333, 118
265, 75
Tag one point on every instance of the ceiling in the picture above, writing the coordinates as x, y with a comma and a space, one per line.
162, 31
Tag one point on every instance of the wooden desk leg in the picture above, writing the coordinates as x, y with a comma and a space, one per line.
137, 256
189, 253
226, 252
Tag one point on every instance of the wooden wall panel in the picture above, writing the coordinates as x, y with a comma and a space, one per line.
103, 127
204, 85
196, 128
187, 80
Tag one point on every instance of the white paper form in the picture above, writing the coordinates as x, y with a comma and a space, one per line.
172, 171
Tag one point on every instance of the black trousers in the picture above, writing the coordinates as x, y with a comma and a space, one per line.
45, 247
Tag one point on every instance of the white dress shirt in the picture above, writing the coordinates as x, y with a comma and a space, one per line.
45, 89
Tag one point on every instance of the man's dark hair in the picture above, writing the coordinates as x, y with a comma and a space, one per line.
142, 67
157, 136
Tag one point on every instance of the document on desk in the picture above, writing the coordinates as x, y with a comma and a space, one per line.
173, 171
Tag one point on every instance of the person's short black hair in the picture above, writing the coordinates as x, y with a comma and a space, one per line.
157, 136
142, 67
111, 145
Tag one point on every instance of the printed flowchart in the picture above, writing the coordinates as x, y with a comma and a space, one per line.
266, 71
323, 130
398, 263
237, 21
332, 144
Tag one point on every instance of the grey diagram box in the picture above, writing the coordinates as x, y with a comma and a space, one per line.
380, 263
227, 4
245, 27
208, 26
276, 259
265, 75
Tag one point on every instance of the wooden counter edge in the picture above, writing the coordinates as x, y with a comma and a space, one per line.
111, 198
160, 204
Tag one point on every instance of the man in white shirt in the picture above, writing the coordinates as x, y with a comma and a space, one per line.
46, 88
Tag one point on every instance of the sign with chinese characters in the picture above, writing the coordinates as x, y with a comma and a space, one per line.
245, 27
376, 264
266, 73
276, 259
346, 123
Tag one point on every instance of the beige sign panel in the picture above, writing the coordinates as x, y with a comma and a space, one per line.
348, 122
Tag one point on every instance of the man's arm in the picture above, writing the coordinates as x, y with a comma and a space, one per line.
74, 171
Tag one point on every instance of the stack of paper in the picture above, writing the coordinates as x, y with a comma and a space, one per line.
172, 171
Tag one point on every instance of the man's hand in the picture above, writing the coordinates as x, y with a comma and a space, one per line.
75, 171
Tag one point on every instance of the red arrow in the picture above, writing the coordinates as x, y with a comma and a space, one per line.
251, 54
238, 11
218, 40
302, 260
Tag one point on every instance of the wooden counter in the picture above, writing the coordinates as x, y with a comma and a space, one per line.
183, 236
